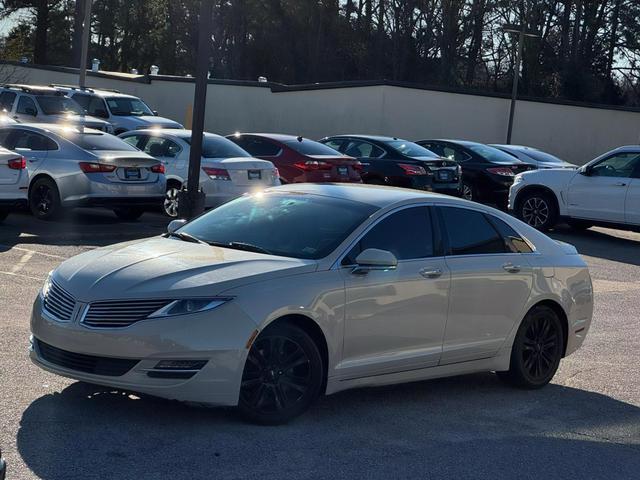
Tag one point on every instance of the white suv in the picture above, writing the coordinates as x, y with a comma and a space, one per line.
14, 182
124, 112
35, 104
605, 192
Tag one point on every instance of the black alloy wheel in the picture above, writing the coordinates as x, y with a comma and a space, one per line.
44, 199
282, 375
537, 349
467, 192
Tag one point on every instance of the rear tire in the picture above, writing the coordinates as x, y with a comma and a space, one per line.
538, 210
128, 214
467, 192
282, 376
537, 350
44, 199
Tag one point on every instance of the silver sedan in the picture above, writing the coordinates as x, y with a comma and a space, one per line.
277, 297
71, 166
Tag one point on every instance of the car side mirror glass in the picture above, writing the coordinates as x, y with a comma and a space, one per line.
586, 171
155, 112
375, 259
174, 225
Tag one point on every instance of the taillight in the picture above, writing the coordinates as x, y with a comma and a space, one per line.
504, 171
158, 168
412, 169
311, 165
18, 163
357, 166
217, 173
90, 167
276, 172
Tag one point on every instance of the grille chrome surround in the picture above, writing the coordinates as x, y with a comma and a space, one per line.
120, 313
105, 366
59, 303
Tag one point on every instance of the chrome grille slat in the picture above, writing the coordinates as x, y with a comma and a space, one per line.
118, 314
59, 303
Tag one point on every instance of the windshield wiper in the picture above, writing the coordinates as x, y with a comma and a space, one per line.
186, 237
249, 247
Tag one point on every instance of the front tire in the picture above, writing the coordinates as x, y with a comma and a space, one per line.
537, 350
282, 376
128, 214
44, 199
538, 210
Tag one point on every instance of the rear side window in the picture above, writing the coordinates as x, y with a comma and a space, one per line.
26, 106
363, 150
32, 141
515, 243
470, 233
257, 146
6, 100
407, 234
310, 147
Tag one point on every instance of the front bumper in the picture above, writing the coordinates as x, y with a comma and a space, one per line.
219, 337
13, 203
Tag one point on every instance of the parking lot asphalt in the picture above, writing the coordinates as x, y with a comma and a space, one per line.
586, 424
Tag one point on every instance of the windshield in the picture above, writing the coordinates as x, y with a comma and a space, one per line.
309, 147
543, 157
411, 149
493, 155
214, 146
98, 141
290, 225
56, 105
125, 107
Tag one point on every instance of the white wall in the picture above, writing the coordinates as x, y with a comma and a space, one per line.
576, 134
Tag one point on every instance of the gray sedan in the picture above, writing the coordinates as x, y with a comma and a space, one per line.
74, 167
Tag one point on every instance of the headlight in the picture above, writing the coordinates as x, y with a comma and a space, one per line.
189, 305
47, 285
517, 179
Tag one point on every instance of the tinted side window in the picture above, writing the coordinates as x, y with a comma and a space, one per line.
335, 144
26, 106
515, 243
470, 233
407, 234
33, 141
161, 147
93, 105
620, 165
6, 100
135, 140
258, 147
363, 150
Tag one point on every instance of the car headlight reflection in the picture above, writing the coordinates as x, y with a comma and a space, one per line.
189, 305
46, 287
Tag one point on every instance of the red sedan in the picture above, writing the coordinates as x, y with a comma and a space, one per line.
300, 159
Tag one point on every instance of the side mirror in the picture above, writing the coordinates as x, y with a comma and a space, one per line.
175, 225
155, 112
375, 259
586, 171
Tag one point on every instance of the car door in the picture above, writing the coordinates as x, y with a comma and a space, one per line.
26, 110
33, 146
490, 285
395, 319
599, 192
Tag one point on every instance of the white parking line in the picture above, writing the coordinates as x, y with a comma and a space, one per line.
21, 275
23, 261
19, 249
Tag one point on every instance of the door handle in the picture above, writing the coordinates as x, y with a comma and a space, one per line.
620, 184
511, 268
435, 273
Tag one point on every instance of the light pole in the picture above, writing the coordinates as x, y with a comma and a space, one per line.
86, 29
191, 199
522, 32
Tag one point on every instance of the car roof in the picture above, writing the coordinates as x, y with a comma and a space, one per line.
56, 128
99, 92
31, 89
512, 147
376, 195
278, 137
627, 148
465, 143
376, 138
173, 132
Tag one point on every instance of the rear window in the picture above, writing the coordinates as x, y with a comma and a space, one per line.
411, 149
542, 157
493, 155
214, 146
310, 147
98, 141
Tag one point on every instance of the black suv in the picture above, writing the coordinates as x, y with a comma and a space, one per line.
400, 163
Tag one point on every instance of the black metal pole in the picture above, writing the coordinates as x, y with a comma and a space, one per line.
191, 199
514, 90
86, 30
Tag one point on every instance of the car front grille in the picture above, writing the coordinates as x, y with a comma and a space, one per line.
59, 303
109, 367
118, 313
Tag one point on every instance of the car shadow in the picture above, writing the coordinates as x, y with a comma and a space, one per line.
462, 427
90, 227
602, 243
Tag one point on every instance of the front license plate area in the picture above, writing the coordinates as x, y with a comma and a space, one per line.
132, 173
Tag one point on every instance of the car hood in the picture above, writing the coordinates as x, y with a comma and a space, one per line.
153, 121
165, 267
555, 176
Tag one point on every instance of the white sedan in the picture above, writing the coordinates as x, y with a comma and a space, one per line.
605, 192
277, 297
14, 182
227, 170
